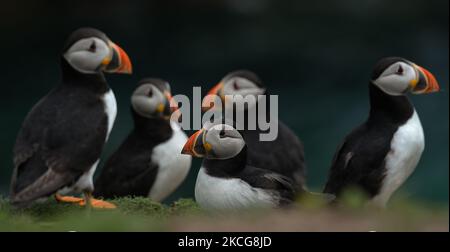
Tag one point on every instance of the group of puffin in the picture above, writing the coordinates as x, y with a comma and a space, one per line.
58, 148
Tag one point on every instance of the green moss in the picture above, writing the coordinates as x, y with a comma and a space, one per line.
353, 198
184, 206
140, 206
142, 214
132, 214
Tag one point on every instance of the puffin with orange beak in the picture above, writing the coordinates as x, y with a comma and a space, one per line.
149, 162
284, 155
379, 155
226, 181
59, 145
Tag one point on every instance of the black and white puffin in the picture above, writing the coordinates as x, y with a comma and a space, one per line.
226, 180
149, 162
61, 140
284, 155
379, 155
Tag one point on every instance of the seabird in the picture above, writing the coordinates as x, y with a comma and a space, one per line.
62, 137
149, 162
226, 179
379, 155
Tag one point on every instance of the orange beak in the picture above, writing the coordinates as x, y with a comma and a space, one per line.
174, 110
119, 62
173, 105
210, 99
190, 146
426, 82
168, 106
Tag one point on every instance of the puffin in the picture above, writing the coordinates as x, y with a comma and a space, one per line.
380, 154
227, 180
284, 155
149, 162
61, 139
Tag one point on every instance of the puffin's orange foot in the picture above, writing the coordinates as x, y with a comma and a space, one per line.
68, 199
99, 204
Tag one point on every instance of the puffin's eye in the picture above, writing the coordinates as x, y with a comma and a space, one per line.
222, 133
235, 85
150, 92
93, 47
399, 70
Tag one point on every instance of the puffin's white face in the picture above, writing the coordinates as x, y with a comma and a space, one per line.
234, 86
87, 55
225, 142
403, 76
92, 54
397, 79
149, 101
220, 141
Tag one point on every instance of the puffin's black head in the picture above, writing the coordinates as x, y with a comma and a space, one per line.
396, 76
88, 50
240, 82
244, 74
215, 141
152, 98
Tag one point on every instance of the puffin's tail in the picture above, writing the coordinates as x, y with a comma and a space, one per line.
44, 186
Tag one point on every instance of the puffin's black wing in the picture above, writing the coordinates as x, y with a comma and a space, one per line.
285, 155
295, 153
60, 139
129, 172
283, 186
359, 161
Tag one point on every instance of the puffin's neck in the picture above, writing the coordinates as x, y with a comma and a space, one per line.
226, 167
71, 77
385, 107
155, 129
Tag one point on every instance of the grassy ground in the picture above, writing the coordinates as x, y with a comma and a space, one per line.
141, 214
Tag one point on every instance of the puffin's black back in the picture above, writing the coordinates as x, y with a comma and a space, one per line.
284, 155
66, 135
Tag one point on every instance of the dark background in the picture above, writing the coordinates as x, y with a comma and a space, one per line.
317, 55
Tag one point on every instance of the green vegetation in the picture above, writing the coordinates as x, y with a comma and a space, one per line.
141, 214
132, 214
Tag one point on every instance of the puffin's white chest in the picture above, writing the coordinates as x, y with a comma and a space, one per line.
407, 146
173, 166
228, 193
109, 101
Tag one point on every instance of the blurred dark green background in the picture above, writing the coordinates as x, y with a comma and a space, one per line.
317, 55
